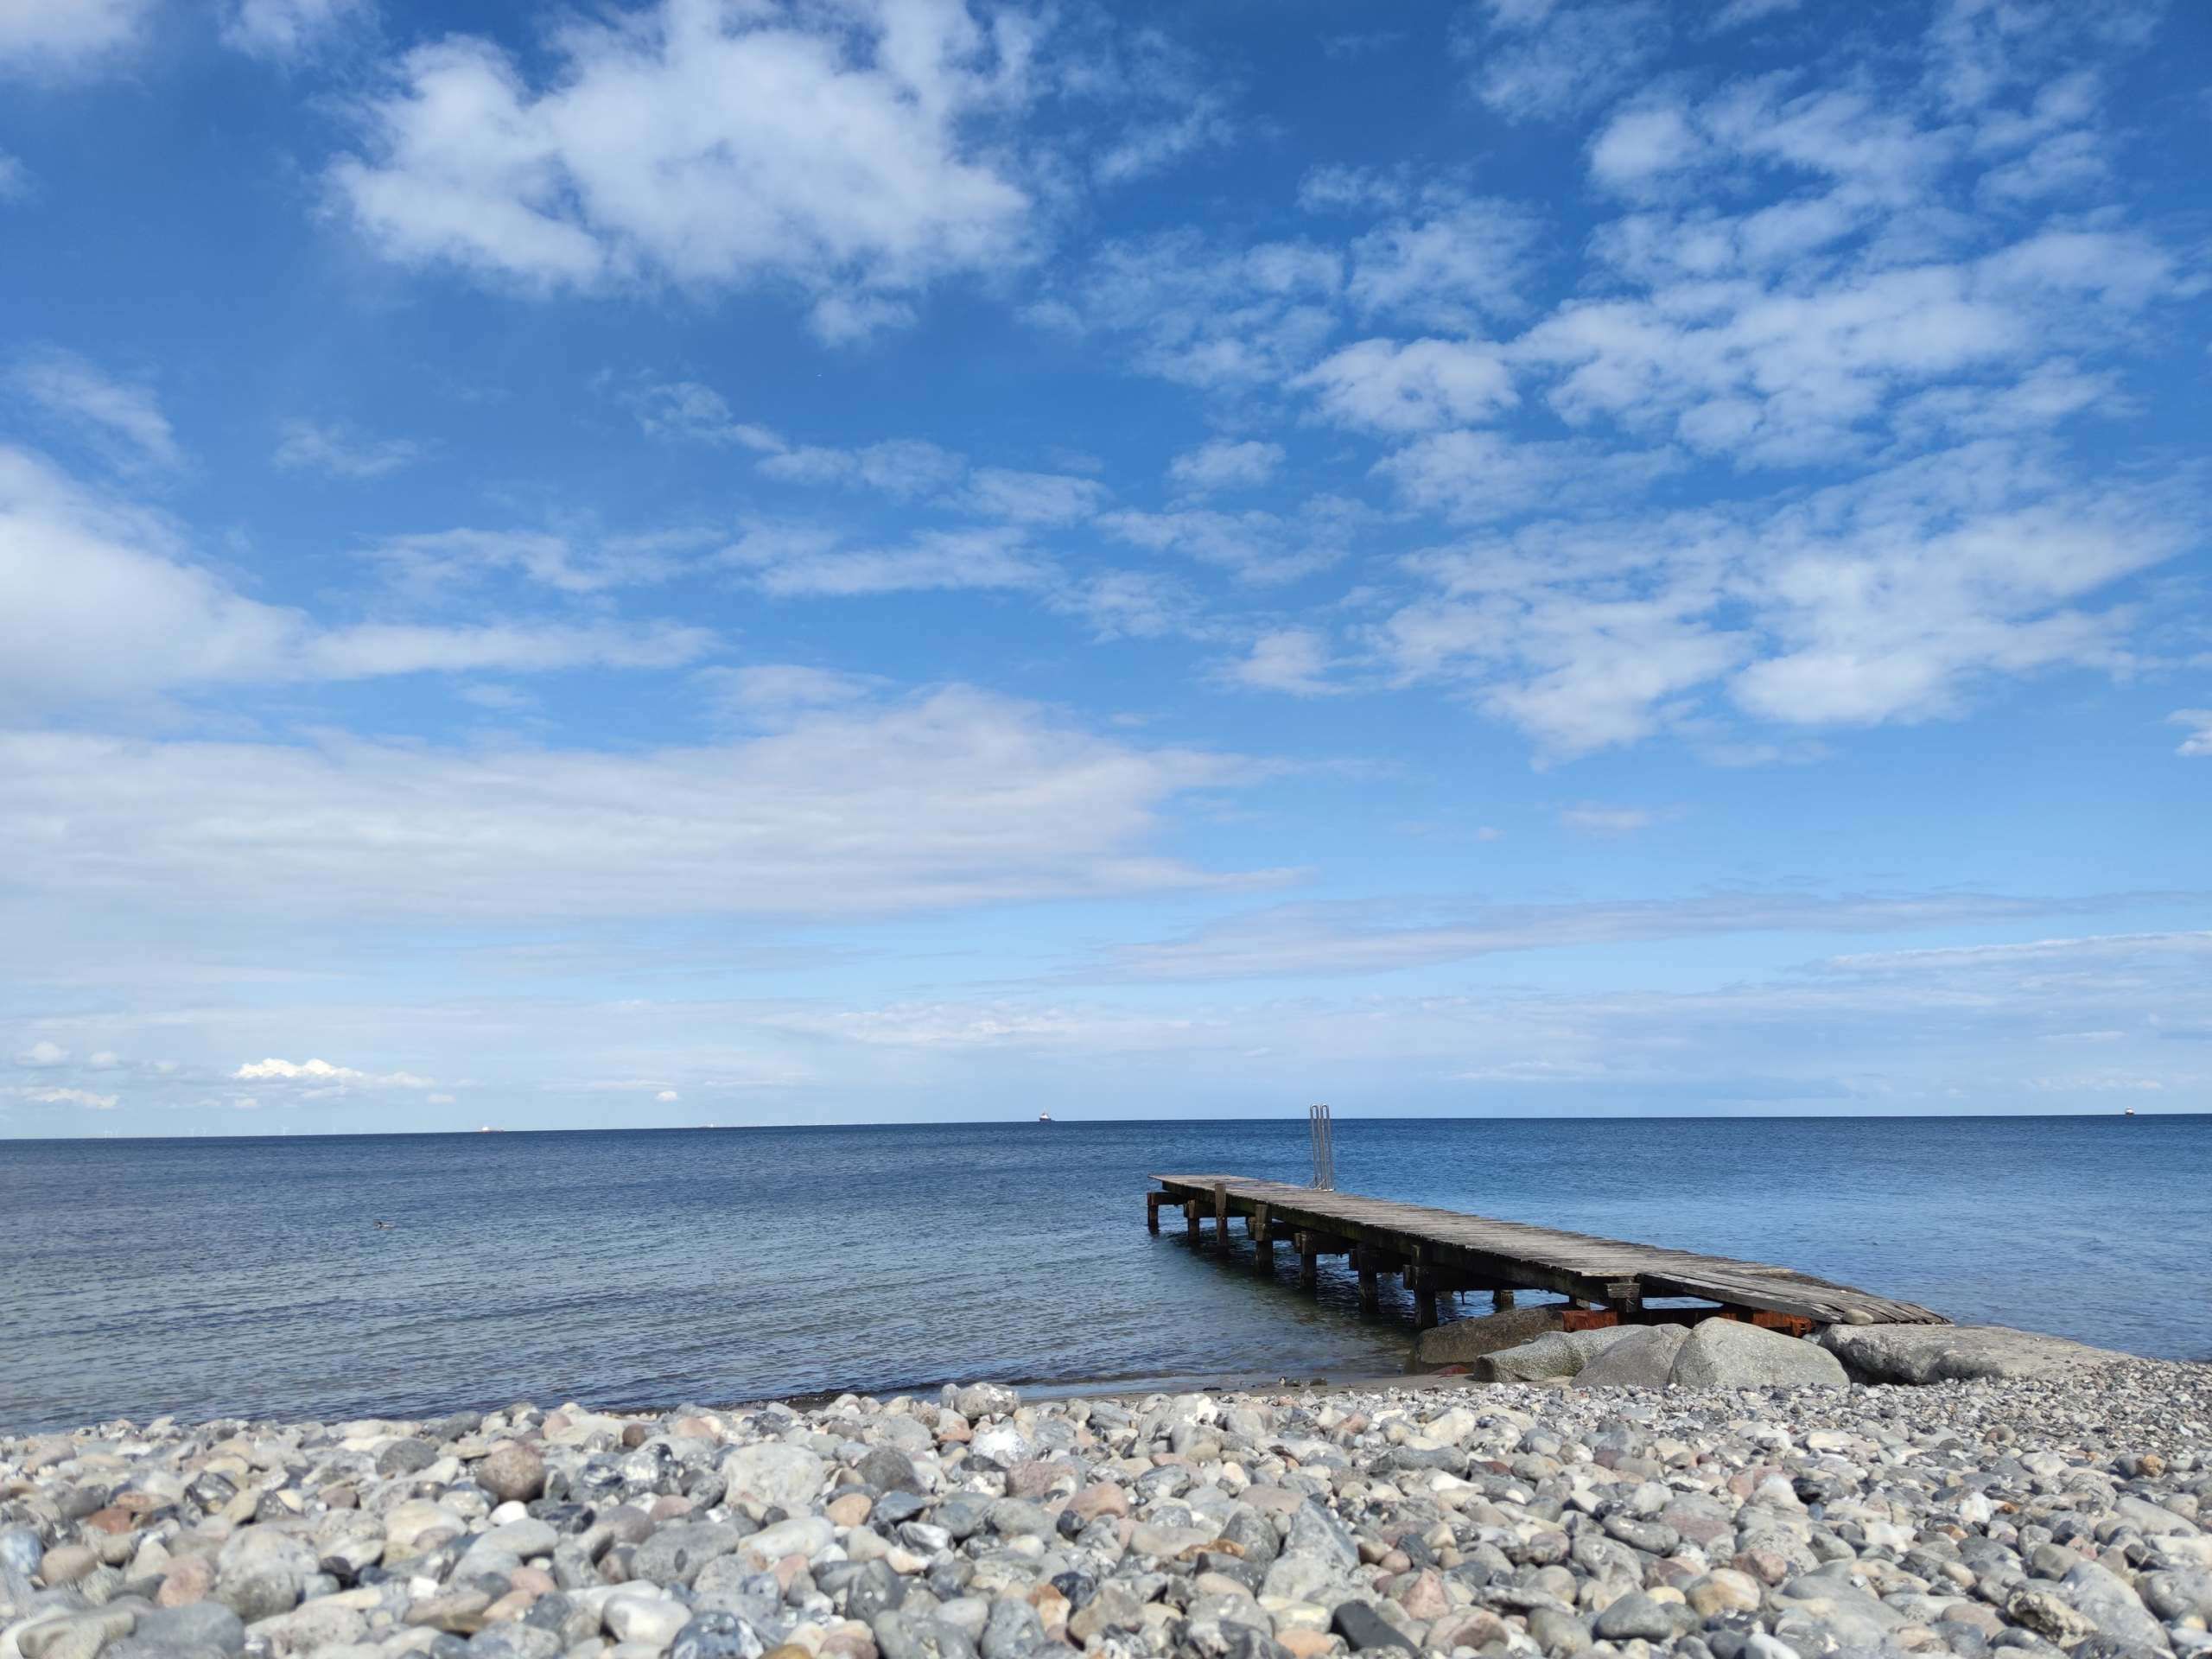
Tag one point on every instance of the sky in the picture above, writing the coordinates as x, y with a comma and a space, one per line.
815, 561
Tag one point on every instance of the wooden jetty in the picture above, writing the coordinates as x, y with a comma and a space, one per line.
1445, 1252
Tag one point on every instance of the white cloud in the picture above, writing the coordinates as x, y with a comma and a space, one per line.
1412, 385
125, 419
1892, 598
953, 799
16, 181
1362, 937
1481, 477
105, 1060
898, 467
1535, 60
431, 561
304, 446
667, 1096
1590, 818
802, 562
836, 149
778, 691
684, 408
287, 30
1293, 660
99, 599
1031, 498
1199, 315
1460, 261
84, 1097
42, 1053
2196, 730
1225, 464
323, 1072
64, 39
1256, 547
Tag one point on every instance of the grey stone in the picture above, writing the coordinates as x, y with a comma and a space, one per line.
674, 1554
718, 1635
1644, 1358
1732, 1354
1955, 1353
1316, 1534
1636, 1616
1012, 1630
405, 1458
788, 1477
1562, 1353
889, 1470
511, 1472
1365, 1630
2102, 1598
1558, 1632
1465, 1340
196, 1625
515, 1639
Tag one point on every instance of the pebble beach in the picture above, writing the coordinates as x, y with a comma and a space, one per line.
2054, 1506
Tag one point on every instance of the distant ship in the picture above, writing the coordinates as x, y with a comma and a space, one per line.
2130, 1112
1044, 1117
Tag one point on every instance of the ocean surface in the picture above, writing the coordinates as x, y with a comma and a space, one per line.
247, 1277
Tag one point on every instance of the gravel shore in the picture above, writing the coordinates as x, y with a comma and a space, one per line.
2065, 1513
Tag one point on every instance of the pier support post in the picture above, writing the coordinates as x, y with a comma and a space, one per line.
1220, 1217
1309, 1270
1152, 1211
1191, 1221
1500, 1300
1263, 1241
1370, 1294
1421, 1272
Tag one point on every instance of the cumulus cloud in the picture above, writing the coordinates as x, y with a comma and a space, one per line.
2196, 730
42, 1053
1547, 59
1892, 598
1293, 660
835, 150
1412, 385
1225, 464
323, 1072
62, 40
285, 31
699, 414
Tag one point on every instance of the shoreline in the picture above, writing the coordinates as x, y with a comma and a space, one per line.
2067, 1512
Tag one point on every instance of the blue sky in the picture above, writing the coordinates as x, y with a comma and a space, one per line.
877, 559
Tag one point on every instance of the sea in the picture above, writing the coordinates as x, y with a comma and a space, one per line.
349, 1275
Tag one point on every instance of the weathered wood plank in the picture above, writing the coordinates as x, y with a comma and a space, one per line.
1448, 1250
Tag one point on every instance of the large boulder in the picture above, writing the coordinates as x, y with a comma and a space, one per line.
1562, 1353
1465, 1340
1955, 1353
1644, 1358
1729, 1354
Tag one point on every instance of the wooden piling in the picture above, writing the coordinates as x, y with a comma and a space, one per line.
1263, 1244
1191, 1221
1220, 1216
1152, 1201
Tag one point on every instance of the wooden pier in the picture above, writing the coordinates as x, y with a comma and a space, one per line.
1443, 1252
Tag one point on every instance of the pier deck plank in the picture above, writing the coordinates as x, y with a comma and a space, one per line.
1512, 1254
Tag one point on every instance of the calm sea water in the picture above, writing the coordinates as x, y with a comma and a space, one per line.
640, 1268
